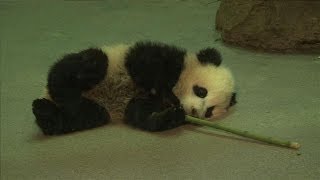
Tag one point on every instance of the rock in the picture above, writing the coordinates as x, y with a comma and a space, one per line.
271, 25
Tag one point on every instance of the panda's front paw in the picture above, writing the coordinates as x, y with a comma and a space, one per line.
177, 113
167, 119
170, 100
175, 117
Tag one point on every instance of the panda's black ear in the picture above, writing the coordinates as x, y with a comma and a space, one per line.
233, 99
209, 55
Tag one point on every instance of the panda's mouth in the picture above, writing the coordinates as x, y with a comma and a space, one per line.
196, 113
211, 112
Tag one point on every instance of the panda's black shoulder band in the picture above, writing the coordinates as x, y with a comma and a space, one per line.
155, 65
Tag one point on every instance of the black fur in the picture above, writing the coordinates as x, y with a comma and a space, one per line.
209, 55
209, 112
155, 65
201, 92
233, 100
54, 120
149, 113
151, 66
75, 73
67, 79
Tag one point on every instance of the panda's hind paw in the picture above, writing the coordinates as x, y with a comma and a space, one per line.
46, 114
43, 108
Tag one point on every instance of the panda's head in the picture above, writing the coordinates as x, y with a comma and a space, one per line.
205, 87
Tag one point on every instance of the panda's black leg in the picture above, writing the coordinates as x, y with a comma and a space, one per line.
54, 120
67, 79
151, 114
76, 73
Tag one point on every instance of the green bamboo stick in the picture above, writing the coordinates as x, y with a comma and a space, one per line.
269, 140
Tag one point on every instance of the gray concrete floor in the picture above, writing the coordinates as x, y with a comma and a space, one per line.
279, 95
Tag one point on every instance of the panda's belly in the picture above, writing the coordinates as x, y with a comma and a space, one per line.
113, 93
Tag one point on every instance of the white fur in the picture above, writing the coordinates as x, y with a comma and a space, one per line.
117, 89
116, 55
217, 80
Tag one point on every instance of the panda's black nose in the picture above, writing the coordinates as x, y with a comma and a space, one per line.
209, 112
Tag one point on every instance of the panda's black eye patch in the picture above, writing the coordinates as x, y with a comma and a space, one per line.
209, 112
200, 91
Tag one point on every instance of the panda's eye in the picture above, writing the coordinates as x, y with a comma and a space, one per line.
200, 91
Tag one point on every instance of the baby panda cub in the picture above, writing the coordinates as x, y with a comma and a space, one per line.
149, 85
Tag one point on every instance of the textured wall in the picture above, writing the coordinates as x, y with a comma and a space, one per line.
285, 25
